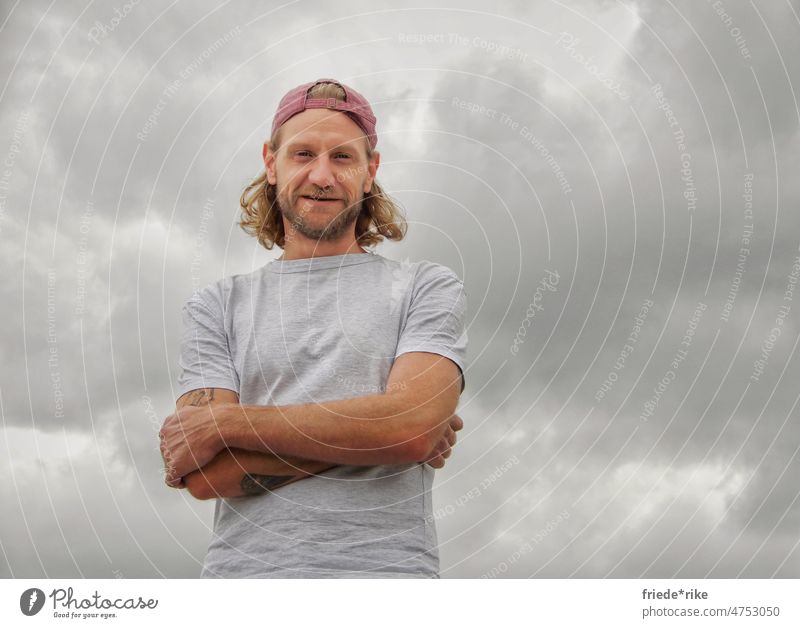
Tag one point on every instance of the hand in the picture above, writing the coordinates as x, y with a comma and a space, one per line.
190, 438
442, 450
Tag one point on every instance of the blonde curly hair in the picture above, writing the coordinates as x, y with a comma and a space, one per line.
261, 217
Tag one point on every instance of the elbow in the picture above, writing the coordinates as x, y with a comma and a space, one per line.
198, 486
418, 449
429, 430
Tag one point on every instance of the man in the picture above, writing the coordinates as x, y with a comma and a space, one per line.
317, 394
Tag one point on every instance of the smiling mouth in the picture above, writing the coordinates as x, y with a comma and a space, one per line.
319, 199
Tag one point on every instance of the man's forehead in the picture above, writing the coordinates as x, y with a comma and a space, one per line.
321, 125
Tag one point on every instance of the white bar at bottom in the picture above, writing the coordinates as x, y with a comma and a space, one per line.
353, 603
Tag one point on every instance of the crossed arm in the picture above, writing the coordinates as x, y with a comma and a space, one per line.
216, 447
235, 472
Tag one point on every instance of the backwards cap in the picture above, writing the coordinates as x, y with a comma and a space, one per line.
354, 105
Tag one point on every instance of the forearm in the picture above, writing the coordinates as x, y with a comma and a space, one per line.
239, 473
375, 429
415, 425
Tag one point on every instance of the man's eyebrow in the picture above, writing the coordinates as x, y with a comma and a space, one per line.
349, 145
296, 145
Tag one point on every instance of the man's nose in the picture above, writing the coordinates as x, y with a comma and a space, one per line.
321, 173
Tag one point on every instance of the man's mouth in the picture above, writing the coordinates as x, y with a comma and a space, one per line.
320, 199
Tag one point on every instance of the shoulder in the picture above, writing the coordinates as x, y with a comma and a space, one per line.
430, 277
218, 295
433, 271
423, 271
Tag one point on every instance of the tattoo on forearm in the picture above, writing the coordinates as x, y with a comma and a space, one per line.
254, 484
200, 397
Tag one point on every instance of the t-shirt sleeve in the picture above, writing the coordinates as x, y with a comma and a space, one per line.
436, 316
205, 358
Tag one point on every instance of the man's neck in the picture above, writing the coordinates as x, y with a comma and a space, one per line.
300, 247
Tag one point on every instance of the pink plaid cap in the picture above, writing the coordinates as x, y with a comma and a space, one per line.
354, 105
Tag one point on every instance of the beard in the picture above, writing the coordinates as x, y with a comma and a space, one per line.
333, 230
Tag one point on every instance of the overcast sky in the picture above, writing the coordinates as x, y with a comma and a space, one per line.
616, 183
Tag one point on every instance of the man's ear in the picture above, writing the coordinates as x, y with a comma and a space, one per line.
372, 170
269, 164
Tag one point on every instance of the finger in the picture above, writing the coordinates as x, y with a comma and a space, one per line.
172, 480
437, 462
169, 480
456, 423
176, 470
443, 450
435, 457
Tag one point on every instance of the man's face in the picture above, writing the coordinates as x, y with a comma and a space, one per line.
322, 172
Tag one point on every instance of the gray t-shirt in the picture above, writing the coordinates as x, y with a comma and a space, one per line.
314, 330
